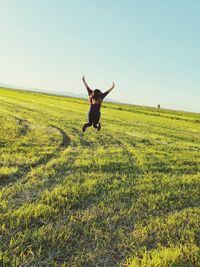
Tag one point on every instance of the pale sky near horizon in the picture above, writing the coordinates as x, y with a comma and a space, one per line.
149, 48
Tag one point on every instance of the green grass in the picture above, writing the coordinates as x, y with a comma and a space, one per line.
125, 196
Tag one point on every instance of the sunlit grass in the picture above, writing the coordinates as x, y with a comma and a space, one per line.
125, 196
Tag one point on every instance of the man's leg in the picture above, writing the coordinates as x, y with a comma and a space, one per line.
86, 125
89, 123
96, 123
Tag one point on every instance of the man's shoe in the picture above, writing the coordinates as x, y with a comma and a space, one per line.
84, 128
99, 126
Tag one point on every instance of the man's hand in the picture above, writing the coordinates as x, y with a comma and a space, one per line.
87, 86
84, 81
113, 85
109, 90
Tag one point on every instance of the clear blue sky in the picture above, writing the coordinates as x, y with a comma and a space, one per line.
150, 48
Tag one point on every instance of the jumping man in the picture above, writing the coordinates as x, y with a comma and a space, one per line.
95, 98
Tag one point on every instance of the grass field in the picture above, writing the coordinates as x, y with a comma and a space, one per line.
128, 195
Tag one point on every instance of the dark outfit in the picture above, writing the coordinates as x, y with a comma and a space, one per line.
94, 111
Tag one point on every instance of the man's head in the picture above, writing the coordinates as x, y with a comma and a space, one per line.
97, 92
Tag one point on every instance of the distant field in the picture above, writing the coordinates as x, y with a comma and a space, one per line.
128, 195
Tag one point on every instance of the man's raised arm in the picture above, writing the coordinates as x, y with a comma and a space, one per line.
109, 90
86, 85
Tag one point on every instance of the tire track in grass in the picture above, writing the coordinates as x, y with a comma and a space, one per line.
24, 170
29, 190
65, 138
123, 145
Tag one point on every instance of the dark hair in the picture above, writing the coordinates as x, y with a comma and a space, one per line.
96, 95
97, 92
